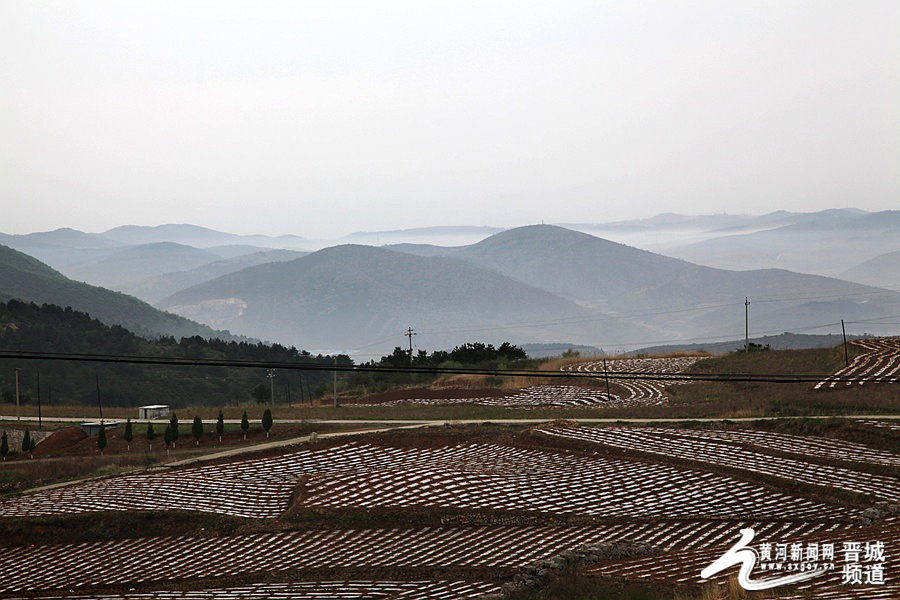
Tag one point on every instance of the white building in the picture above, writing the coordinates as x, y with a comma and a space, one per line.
154, 411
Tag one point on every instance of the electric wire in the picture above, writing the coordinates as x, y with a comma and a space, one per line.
368, 368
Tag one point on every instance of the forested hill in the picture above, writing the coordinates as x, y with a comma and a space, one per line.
25, 278
50, 328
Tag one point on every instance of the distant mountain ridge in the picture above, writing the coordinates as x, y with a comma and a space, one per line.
825, 243
597, 291
130, 264
192, 235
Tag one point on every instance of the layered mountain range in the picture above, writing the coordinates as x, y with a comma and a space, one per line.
535, 284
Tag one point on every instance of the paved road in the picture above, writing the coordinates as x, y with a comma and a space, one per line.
420, 422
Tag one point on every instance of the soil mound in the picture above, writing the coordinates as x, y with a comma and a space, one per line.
59, 440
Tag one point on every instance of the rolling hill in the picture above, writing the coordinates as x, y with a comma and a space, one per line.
363, 298
124, 267
25, 278
534, 284
589, 270
154, 289
881, 271
674, 298
26, 327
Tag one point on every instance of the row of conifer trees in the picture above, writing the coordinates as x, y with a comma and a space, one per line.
170, 436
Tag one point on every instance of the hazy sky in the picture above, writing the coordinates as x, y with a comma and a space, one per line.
323, 118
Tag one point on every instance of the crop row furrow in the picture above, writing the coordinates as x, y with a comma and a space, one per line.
881, 359
731, 456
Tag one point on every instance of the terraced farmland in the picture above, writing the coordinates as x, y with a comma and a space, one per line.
317, 590
642, 391
794, 444
684, 567
123, 563
465, 476
476, 505
721, 452
534, 481
892, 425
538, 396
177, 559
881, 358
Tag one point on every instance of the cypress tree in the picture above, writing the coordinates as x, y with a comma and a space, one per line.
26, 441
173, 425
101, 438
197, 429
167, 437
245, 424
4, 445
128, 435
220, 425
267, 421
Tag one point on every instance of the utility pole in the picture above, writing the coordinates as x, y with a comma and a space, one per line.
334, 373
289, 393
270, 373
846, 355
606, 375
40, 421
409, 334
99, 403
746, 324
17, 393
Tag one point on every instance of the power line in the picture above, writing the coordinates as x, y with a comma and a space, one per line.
635, 375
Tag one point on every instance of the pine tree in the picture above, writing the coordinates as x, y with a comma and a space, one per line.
220, 425
101, 438
267, 421
245, 424
128, 435
197, 429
